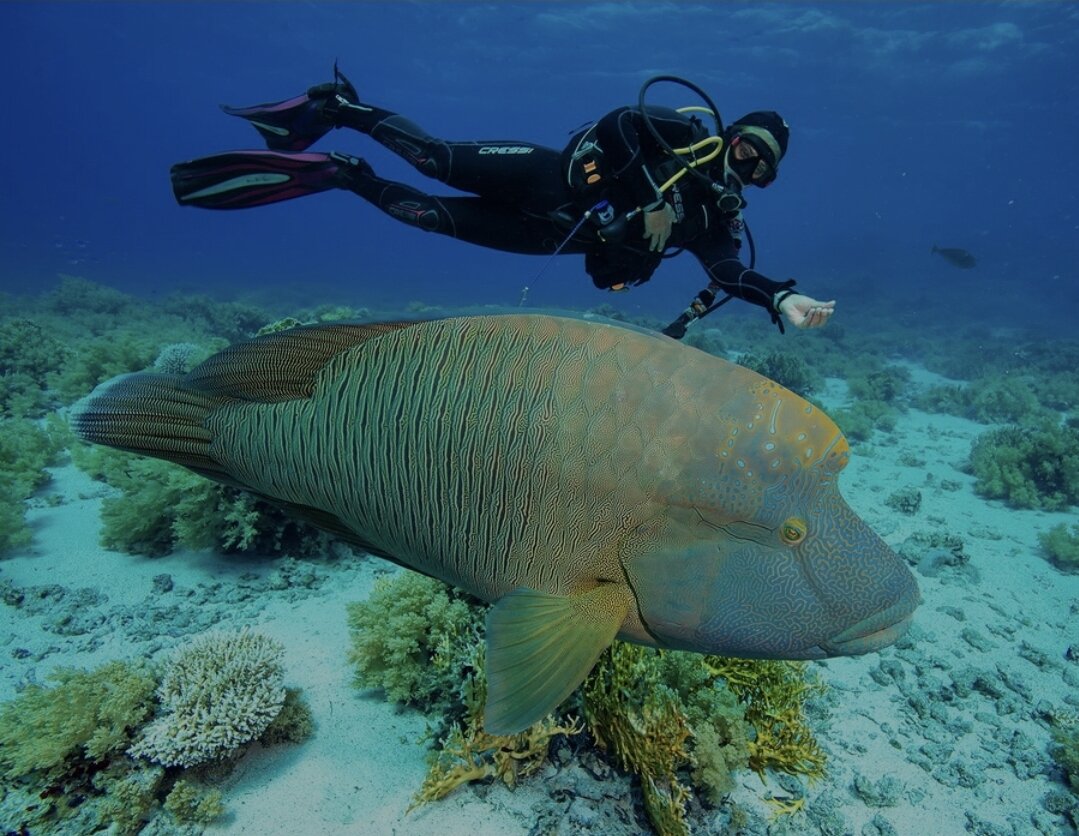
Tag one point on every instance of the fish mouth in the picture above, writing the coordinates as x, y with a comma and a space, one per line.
879, 630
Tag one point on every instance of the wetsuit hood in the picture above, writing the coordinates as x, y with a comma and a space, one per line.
767, 132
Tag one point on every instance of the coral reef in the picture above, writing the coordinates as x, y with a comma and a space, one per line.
1061, 547
228, 322
706, 339
336, 313
939, 553
218, 693
785, 369
680, 722
1065, 753
56, 745
413, 637
1004, 399
26, 449
988, 400
1012, 379
969, 715
293, 723
162, 506
661, 713
82, 717
948, 399
179, 358
1028, 467
422, 643
94, 361
906, 500
27, 354
67, 341
887, 384
775, 696
128, 795
285, 324
468, 753
80, 298
191, 803
81, 334
862, 418
635, 717
70, 751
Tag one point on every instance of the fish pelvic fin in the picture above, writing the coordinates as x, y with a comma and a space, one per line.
540, 647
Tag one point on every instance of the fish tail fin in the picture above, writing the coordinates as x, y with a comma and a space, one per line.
166, 415
152, 414
935, 249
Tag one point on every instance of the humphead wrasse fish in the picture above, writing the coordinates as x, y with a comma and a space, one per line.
591, 481
955, 256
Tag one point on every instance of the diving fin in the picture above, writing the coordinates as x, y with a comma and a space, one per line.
239, 179
297, 123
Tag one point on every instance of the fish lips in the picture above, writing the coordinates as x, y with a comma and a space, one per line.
870, 634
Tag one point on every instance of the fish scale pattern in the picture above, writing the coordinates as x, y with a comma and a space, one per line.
557, 454
418, 437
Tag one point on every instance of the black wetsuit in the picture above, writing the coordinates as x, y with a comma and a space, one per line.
523, 200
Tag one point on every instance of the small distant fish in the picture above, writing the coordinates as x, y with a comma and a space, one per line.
956, 256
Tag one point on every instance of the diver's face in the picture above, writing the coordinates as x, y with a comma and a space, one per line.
748, 166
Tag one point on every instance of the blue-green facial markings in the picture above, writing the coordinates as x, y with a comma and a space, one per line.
804, 578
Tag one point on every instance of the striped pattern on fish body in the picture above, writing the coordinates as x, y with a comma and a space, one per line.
594, 481
491, 456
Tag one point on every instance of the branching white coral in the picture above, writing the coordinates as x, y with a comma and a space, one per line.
218, 693
178, 358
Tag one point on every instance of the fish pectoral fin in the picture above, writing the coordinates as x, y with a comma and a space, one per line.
540, 647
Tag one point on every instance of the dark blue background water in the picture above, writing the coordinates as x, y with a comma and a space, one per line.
911, 125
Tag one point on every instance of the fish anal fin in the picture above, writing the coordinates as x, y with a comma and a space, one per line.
335, 526
283, 365
540, 647
330, 523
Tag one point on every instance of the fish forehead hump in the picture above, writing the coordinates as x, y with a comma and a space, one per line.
743, 435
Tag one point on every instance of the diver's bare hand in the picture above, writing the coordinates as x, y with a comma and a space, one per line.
657, 227
805, 312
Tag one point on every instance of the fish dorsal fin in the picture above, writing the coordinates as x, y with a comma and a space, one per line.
281, 366
540, 647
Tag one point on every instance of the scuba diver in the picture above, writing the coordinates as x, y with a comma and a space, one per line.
627, 187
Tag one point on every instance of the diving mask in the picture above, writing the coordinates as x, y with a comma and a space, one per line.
755, 170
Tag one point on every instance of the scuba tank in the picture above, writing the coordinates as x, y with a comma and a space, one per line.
606, 223
589, 181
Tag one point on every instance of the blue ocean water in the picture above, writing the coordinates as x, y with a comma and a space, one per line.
912, 125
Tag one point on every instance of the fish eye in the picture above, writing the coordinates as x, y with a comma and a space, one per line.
793, 531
